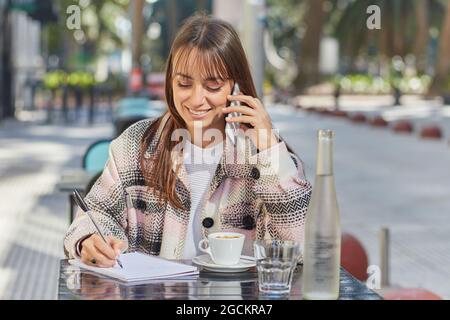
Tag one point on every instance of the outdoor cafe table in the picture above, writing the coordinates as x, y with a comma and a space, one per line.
76, 283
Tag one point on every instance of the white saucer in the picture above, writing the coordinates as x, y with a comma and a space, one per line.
206, 262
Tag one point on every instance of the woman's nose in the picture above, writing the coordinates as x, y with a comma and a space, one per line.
198, 96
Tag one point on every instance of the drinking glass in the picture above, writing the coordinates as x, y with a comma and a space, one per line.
276, 261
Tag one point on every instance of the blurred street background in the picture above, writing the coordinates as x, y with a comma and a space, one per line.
75, 74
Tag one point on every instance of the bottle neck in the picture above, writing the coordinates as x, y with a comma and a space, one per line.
324, 153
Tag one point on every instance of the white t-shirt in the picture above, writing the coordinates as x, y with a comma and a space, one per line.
200, 164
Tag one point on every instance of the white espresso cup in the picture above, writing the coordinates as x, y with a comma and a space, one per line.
224, 248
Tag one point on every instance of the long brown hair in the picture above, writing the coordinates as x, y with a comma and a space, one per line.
220, 53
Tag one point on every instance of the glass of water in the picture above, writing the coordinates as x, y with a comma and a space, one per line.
276, 261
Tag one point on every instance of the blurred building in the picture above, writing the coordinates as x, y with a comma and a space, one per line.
21, 61
6, 103
27, 60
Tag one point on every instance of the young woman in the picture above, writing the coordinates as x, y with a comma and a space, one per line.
153, 198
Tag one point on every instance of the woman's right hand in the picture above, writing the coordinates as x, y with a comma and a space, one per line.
95, 252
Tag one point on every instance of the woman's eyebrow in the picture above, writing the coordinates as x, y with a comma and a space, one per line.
215, 79
183, 75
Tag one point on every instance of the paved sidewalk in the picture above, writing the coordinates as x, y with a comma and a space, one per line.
382, 179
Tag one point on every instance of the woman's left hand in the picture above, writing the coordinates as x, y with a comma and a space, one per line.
257, 119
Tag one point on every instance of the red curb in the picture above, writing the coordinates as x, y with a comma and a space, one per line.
431, 132
410, 294
324, 112
358, 118
340, 114
378, 122
403, 126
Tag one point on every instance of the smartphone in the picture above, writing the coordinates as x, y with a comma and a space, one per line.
235, 92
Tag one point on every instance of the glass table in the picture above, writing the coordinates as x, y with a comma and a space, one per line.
76, 283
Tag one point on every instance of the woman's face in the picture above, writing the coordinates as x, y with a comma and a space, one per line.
198, 98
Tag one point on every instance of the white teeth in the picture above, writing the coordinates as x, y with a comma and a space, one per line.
198, 113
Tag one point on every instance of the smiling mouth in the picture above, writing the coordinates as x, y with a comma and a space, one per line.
199, 113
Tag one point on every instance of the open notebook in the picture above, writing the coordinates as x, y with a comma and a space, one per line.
140, 267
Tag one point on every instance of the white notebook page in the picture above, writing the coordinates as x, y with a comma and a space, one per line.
139, 267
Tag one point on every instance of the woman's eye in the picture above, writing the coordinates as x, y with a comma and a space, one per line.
188, 85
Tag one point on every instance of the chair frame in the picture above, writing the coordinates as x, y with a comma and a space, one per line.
86, 190
83, 165
91, 146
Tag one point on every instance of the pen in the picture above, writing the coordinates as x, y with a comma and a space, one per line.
80, 202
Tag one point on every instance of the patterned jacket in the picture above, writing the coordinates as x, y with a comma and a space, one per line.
265, 197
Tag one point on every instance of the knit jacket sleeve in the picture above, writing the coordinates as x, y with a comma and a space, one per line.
107, 198
284, 191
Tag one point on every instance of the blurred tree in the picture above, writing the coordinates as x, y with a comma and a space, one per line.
99, 32
102, 32
409, 29
308, 63
170, 14
422, 34
285, 26
296, 27
405, 28
137, 8
442, 74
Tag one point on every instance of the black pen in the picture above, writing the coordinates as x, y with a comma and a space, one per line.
83, 206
